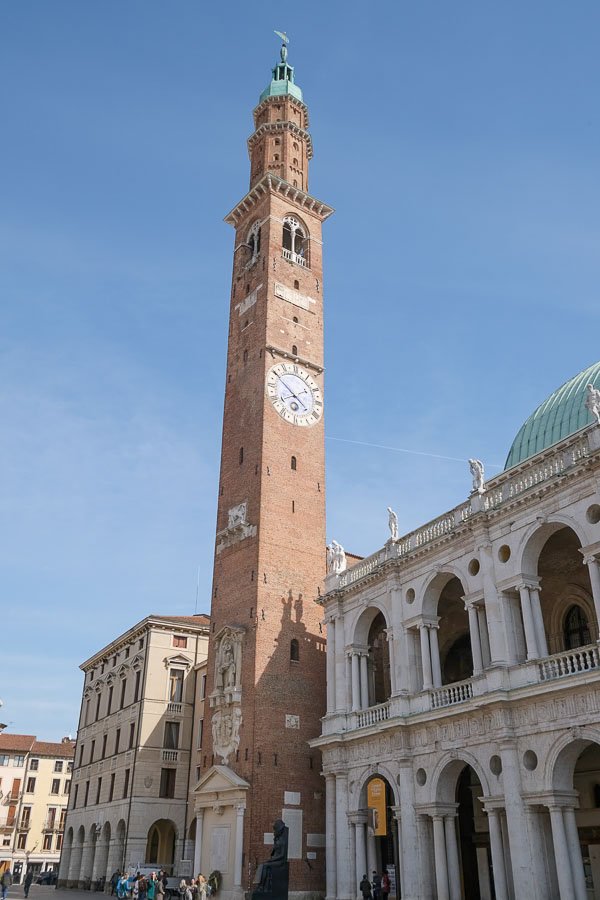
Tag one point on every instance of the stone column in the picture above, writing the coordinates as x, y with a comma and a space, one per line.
441, 866
575, 853
355, 682
348, 691
561, 854
343, 868
475, 638
594, 570
340, 692
87, 860
452, 857
364, 681
392, 656
330, 666
524, 869
361, 855
410, 851
540, 631
434, 647
239, 845
425, 657
497, 855
528, 623
198, 842
371, 853
330, 848
484, 635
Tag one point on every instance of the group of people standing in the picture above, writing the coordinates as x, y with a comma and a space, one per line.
378, 888
127, 886
138, 886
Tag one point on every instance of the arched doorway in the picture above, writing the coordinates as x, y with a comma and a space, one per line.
116, 854
460, 835
160, 844
376, 832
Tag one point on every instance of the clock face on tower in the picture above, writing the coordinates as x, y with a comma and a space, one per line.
294, 393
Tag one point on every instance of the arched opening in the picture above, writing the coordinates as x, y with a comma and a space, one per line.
116, 854
253, 242
463, 836
160, 844
379, 662
456, 659
474, 844
75, 866
101, 859
65, 858
565, 593
576, 784
295, 241
377, 844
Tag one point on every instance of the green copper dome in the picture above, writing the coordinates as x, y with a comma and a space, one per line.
283, 78
562, 414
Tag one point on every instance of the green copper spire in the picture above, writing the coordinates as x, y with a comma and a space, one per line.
283, 75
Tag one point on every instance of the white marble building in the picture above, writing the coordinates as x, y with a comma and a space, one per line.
463, 681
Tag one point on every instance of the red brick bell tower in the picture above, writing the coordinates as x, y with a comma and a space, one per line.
266, 665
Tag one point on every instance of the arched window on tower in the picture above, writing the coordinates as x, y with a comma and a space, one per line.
241, 457
253, 242
295, 241
294, 464
294, 650
576, 629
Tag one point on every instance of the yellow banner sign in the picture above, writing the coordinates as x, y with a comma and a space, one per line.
377, 806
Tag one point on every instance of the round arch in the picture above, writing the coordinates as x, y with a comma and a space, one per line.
65, 857
534, 539
74, 874
358, 795
359, 628
447, 772
160, 843
435, 584
563, 755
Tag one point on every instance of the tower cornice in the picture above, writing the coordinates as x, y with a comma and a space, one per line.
275, 127
276, 100
271, 184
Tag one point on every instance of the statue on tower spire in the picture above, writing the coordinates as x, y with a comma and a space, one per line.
285, 41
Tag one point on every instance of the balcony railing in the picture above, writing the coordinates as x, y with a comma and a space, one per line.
24, 825
7, 823
570, 662
294, 258
174, 709
373, 715
170, 755
451, 694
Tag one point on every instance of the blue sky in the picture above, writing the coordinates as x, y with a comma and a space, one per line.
459, 145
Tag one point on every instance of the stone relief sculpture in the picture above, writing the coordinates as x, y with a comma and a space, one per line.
336, 559
393, 523
228, 661
227, 664
476, 467
237, 515
592, 402
226, 731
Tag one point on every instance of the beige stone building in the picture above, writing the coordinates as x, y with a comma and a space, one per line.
35, 780
134, 758
461, 745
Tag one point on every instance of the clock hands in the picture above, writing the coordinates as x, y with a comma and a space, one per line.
292, 394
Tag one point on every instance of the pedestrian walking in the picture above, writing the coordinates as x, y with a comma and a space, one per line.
114, 881
28, 881
5, 882
376, 879
386, 886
